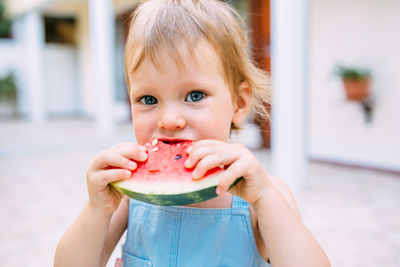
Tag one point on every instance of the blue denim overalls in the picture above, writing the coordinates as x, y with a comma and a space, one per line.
189, 237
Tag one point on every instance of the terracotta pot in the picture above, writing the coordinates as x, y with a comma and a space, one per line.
356, 89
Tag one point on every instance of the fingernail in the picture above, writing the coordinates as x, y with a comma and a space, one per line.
128, 173
142, 148
189, 149
195, 174
143, 155
132, 164
188, 164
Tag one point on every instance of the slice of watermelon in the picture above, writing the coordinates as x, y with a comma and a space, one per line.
163, 180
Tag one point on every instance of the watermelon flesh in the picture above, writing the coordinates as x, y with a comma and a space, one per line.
163, 179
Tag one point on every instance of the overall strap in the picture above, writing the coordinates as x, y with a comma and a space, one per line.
238, 203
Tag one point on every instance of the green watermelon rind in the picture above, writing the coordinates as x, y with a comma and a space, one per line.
174, 199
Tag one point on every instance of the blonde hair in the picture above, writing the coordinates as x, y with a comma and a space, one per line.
159, 26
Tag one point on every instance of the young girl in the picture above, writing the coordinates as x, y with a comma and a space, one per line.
190, 78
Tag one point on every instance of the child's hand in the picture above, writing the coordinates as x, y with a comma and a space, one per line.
111, 165
238, 161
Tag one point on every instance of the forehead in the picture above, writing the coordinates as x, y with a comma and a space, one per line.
185, 61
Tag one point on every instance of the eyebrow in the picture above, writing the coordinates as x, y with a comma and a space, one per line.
186, 83
195, 84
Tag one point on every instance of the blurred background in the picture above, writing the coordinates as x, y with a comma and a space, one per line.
334, 135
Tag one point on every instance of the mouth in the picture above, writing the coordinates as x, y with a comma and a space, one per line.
171, 141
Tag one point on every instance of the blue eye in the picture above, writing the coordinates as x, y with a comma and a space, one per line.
148, 100
195, 96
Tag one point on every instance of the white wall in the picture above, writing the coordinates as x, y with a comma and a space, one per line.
60, 80
8, 64
8, 56
87, 92
60, 77
364, 33
11, 60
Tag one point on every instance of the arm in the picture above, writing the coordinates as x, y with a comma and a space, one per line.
91, 238
118, 224
287, 241
282, 233
289, 198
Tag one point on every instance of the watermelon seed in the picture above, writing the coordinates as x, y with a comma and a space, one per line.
154, 142
178, 156
155, 149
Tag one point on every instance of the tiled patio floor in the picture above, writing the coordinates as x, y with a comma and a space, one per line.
353, 213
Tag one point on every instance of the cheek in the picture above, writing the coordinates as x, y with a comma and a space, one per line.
142, 129
215, 123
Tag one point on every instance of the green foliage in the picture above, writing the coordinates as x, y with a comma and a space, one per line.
5, 22
352, 73
8, 88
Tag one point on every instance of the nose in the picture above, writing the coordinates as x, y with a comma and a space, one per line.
171, 119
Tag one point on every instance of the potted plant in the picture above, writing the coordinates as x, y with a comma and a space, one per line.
356, 82
8, 95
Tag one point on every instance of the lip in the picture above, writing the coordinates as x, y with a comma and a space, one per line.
172, 139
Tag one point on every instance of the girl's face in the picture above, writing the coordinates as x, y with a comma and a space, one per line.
191, 102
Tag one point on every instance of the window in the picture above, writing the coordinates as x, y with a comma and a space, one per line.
60, 30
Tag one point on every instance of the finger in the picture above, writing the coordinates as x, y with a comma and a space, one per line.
229, 176
135, 153
104, 177
197, 154
112, 159
202, 151
212, 161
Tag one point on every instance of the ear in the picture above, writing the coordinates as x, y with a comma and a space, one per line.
242, 103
